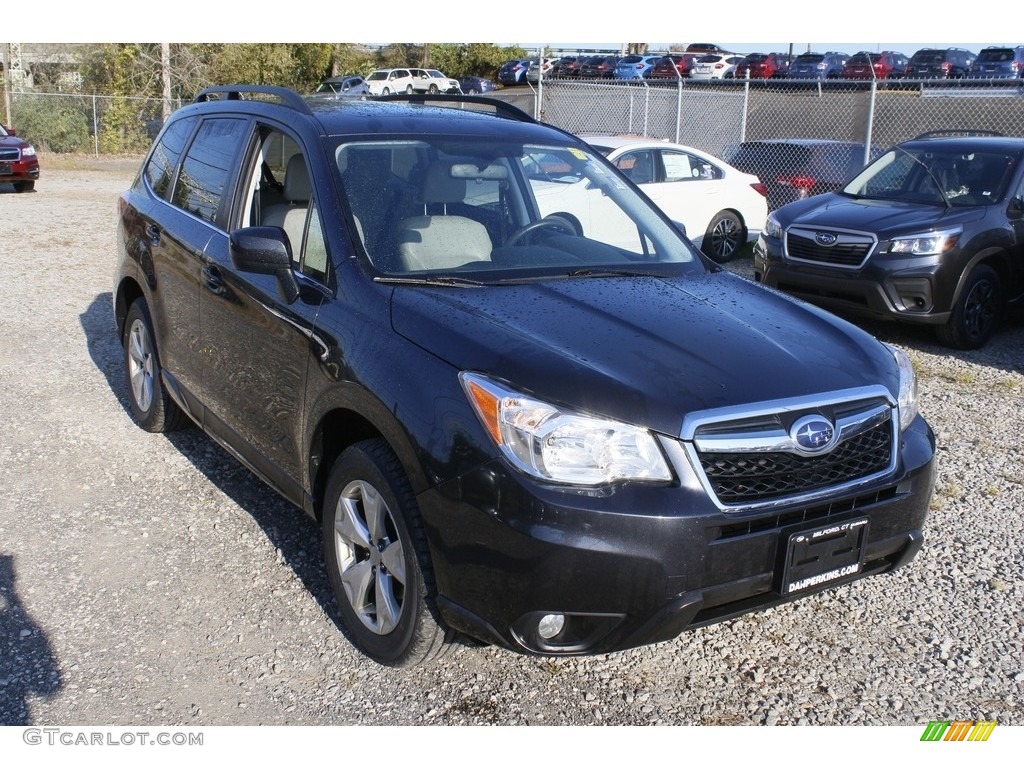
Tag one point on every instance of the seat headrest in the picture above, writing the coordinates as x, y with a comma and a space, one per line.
297, 187
439, 187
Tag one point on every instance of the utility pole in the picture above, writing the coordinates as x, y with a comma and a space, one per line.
165, 75
7, 83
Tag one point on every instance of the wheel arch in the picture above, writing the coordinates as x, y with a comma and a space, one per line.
996, 258
343, 426
128, 290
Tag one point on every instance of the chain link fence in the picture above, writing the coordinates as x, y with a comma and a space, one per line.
714, 117
834, 127
66, 123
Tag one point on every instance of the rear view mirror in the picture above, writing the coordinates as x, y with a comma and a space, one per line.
470, 171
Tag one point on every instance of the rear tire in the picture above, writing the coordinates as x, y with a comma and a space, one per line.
724, 237
975, 313
377, 560
150, 405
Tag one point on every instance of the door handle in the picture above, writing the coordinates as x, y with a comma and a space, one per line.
214, 280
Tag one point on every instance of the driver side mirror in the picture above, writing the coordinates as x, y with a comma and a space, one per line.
265, 251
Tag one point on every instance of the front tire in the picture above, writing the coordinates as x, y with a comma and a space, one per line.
24, 186
151, 406
975, 313
377, 560
724, 237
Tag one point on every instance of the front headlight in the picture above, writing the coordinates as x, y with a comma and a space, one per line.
908, 387
772, 228
28, 151
926, 243
559, 445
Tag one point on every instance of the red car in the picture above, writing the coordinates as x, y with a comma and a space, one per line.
674, 65
763, 66
18, 163
874, 66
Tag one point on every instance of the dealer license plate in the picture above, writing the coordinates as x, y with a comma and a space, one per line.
5, 169
819, 556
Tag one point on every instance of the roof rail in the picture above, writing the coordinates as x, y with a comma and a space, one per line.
957, 132
501, 108
285, 96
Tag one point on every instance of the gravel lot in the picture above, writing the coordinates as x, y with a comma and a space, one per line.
151, 580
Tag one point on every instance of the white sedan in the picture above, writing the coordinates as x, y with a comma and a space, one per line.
721, 207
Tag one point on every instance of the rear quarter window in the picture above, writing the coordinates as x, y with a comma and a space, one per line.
208, 166
164, 158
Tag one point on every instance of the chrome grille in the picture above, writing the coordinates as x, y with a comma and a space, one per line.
743, 477
849, 250
751, 458
10, 153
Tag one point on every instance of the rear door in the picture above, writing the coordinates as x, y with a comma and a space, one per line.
170, 236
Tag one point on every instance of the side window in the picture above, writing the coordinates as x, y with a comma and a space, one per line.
281, 195
314, 249
207, 166
638, 166
163, 161
682, 166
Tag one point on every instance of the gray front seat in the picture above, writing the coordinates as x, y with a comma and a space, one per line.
437, 240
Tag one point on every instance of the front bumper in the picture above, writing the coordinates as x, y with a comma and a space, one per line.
915, 290
24, 169
641, 563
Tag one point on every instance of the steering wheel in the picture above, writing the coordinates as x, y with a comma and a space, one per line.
555, 222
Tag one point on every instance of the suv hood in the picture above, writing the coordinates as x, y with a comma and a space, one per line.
12, 141
645, 350
883, 218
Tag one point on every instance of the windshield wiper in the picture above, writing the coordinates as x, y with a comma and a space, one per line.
931, 175
460, 282
590, 272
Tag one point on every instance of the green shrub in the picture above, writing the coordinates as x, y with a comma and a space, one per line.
52, 126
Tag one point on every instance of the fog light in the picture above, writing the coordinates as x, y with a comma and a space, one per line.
550, 625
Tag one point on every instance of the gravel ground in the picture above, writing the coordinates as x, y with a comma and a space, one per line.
151, 580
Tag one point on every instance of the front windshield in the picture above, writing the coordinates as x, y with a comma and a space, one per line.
935, 176
494, 210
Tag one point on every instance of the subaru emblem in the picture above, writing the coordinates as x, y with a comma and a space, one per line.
825, 238
813, 434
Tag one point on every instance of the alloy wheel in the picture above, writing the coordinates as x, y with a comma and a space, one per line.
140, 365
370, 557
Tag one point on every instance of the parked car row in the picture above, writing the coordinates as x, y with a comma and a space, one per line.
706, 61
383, 82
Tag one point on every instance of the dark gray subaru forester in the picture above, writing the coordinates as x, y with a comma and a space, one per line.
511, 428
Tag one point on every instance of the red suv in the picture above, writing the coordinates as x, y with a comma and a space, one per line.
762, 66
18, 163
674, 65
